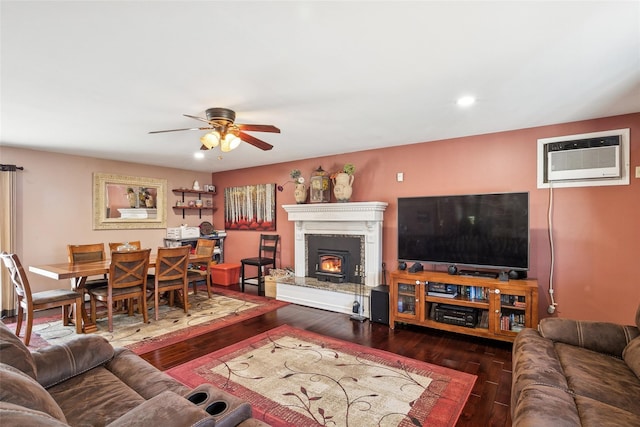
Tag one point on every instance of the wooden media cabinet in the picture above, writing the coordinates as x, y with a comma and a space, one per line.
480, 306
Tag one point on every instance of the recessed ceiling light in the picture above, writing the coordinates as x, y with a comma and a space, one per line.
466, 101
198, 155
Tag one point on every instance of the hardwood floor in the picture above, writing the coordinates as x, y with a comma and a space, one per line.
490, 360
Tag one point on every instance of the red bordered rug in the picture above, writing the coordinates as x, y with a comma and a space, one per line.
294, 377
225, 307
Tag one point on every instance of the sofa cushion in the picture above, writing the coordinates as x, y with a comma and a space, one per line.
20, 389
600, 377
141, 376
96, 397
631, 356
597, 413
13, 352
57, 363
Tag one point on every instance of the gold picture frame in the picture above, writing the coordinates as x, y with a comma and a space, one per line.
128, 202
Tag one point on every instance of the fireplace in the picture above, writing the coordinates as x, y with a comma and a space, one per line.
360, 224
332, 265
335, 258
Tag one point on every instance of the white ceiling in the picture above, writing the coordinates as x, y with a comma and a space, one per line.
93, 77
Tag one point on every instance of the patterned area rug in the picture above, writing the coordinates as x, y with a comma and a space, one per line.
224, 308
297, 378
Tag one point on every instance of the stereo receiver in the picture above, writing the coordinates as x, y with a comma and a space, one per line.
455, 315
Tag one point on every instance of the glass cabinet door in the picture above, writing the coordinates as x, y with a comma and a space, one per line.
511, 311
407, 300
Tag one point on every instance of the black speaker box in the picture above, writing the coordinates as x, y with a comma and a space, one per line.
517, 274
379, 304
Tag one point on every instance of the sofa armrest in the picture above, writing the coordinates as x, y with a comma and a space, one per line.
57, 363
141, 376
603, 337
166, 409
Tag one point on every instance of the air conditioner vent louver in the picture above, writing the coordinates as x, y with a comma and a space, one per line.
583, 163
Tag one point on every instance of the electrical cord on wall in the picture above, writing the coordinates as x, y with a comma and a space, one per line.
552, 307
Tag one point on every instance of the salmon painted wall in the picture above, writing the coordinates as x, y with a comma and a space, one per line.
54, 205
596, 230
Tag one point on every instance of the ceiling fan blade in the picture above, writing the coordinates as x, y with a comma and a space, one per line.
255, 141
179, 130
259, 128
197, 118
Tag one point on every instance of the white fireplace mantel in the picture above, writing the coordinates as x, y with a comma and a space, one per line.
351, 218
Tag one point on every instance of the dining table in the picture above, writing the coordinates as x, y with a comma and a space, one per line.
79, 272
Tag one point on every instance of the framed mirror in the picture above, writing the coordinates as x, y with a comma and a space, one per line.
121, 201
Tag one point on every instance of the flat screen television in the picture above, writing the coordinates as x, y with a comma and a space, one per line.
478, 230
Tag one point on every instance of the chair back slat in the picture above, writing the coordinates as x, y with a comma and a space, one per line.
269, 245
205, 247
86, 253
129, 269
18, 275
171, 263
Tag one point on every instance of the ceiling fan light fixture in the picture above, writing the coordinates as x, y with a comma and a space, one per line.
211, 139
229, 142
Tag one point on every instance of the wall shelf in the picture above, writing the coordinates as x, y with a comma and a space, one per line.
200, 193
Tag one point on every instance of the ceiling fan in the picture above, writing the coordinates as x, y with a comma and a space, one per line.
225, 132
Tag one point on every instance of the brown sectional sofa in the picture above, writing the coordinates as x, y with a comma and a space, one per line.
576, 373
87, 382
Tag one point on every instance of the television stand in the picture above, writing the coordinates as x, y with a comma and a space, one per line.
474, 273
473, 305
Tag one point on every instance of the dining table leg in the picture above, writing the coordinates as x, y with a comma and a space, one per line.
87, 326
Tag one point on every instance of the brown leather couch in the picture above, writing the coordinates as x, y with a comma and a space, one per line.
576, 373
87, 382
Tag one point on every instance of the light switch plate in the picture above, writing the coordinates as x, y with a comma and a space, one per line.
637, 171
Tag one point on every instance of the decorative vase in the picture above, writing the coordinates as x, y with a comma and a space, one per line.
300, 193
148, 202
342, 186
131, 196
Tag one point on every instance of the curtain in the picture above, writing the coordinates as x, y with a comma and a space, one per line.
7, 235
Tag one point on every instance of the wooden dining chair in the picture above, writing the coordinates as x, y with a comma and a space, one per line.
87, 253
113, 246
171, 275
267, 251
29, 302
127, 280
200, 270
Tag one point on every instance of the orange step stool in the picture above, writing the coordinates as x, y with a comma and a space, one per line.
226, 274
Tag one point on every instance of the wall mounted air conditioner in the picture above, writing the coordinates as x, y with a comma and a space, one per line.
600, 158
